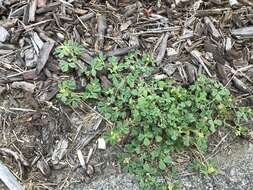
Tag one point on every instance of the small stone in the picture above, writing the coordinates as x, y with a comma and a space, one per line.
170, 69
4, 34
101, 144
90, 170
59, 151
26, 86
171, 52
60, 37
30, 74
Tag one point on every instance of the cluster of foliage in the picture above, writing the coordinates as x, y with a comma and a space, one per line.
153, 117
68, 54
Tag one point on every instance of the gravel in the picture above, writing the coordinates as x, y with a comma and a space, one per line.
235, 173
113, 182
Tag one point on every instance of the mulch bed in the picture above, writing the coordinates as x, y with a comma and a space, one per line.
47, 145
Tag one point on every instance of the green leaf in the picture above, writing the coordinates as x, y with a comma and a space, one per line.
167, 160
218, 122
162, 165
186, 140
158, 139
146, 142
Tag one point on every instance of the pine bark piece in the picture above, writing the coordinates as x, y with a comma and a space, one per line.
131, 9
31, 58
87, 16
9, 179
49, 7
36, 42
191, 72
217, 52
240, 85
44, 55
247, 2
221, 73
102, 26
44, 167
162, 48
211, 28
198, 57
7, 46
60, 151
121, 51
26, 14
211, 12
32, 11
86, 57
242, 33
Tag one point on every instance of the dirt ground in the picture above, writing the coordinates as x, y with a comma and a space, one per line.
37, 134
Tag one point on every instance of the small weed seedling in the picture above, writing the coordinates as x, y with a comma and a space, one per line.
68, 54
204, 168
154, 117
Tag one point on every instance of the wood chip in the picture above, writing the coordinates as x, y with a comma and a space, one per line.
32, 10
162, 48
121, 51
242, 33
81, 158
31, 58
43, 57
198, 57
87, 16
9, 179
101, 25
240, 85
44, 167
60, 151
191, 72
4, 34
211, 28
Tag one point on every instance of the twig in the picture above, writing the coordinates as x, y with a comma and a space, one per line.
221, 141
22, 109
157, 31
87, 105
33, 25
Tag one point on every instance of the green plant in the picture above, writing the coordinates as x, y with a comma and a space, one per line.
67, 95
154, 118
205, 168
68, 54
241, 115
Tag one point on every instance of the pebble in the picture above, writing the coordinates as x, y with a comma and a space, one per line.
26, 86
4, 34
